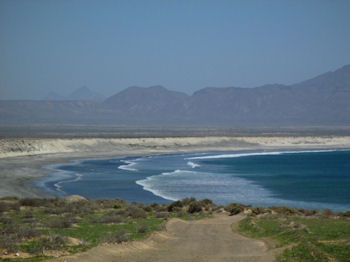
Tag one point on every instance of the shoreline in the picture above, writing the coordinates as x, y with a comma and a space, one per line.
18, 172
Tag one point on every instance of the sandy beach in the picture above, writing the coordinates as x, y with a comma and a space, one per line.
21, 160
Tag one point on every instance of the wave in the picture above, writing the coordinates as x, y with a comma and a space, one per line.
150, 184
192, 164
129, 165
221, 188
259, 154
58, 185
58, 177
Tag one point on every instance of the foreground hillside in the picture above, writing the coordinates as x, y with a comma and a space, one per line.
323, 100
38, 229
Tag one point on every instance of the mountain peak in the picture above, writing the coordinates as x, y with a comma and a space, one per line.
84, 93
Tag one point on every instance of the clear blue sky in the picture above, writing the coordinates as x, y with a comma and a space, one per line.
186, 45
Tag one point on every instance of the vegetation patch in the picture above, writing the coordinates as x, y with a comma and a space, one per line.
307, 235
35, 229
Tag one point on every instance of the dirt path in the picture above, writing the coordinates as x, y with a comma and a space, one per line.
196, 241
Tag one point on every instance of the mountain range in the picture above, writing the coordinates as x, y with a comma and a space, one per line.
82, 93
320, 101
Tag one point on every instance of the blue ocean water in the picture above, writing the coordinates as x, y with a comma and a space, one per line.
303, 179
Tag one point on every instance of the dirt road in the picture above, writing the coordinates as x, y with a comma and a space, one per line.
196, 241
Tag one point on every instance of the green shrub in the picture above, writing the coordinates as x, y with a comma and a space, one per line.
194, 207
116, 237
24, 231
345, 214
60, 222
6, 220
136, 212
159, 208
107, 219
9, 206
53, 242
283, 210
327, 213
206, 202
259, 210
234, 208
27, 214
142, 229
11, 198
148, 209
186, 201
175, 206
105, 203
122, 212
161, 215
307, 212
9, 242
32, 202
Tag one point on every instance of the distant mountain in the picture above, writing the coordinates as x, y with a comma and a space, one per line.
152, 103
323, 100
320, 101
53, 96
82, 94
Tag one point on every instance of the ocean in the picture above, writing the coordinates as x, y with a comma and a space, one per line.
314, 179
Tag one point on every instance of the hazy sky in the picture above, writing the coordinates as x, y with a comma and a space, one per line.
186, 45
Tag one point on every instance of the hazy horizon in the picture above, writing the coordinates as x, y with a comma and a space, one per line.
182, 45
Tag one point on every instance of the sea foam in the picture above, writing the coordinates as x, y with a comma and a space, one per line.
257, 154
129, 165
192, 164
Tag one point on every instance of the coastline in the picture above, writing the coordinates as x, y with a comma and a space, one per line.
22, 160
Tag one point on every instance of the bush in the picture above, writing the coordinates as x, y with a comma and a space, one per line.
283, 210
194, 207
206, 202
8, 206
159, 208
181, 213
136, 212
345, 214
148, 209
259, 210
116, 237
175, 206
9, 243
161, 215
234, 208
60, 222
82, 207
105, 203
142, 229
327, 213
117, 206
186, 201
27, 232
6, 220
53, 242
11, 198
107, 219
32, 202
307, 212
121, 212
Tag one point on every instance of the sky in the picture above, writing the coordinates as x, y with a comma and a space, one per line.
109, 45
